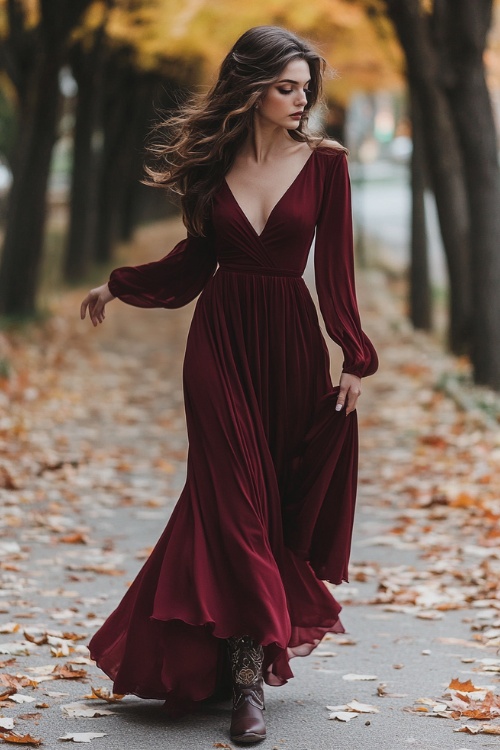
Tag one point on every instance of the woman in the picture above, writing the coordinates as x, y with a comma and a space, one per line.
266, 513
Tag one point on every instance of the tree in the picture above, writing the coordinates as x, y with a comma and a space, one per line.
444, 158
460, 31
444, 49
87, 59
32, 56
419, 281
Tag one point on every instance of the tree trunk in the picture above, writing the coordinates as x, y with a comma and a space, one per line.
117, 121
22, 251
88, 71
34, 56
461, 30
444, 159
419, 282
154, 93
145, 90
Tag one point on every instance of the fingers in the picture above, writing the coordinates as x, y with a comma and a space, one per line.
341, 398
94, 304
349, 392
83, 306
352, 398
96, 309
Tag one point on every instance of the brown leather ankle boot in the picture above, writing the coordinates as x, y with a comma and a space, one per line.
247, 721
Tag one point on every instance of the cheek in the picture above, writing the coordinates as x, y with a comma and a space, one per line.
276, 102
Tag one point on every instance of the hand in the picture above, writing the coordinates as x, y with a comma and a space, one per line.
96, 300
350, 391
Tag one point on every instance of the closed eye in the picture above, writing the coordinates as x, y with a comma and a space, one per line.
289, 91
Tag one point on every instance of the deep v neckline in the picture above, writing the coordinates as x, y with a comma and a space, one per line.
302, 169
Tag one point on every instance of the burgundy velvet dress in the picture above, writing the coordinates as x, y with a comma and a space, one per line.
267, 510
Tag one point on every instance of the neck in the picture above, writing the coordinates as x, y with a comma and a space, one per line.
265, 142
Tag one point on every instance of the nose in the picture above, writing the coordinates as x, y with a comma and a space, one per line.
301, 99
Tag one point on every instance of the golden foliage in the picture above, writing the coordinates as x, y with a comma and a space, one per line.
196, 34
364, 54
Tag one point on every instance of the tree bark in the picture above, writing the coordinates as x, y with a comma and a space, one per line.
87, 67
145, 92
461, 29
419, 282
155, 94
129, 113
23, 244
444, 159
34, 59
118, 115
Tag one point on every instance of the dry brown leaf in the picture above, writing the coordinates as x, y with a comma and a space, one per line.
484, 729
20, 739
76, 538
462, 687
106, 570
74, 636
105, 695
66, 672
486, 708
11, 680
5, 694
40, 640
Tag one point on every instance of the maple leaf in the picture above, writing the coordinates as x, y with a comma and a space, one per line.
462, 687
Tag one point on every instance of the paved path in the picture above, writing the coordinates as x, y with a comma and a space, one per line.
92, 458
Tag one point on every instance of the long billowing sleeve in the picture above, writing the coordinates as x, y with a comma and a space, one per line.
334, 270
170, 282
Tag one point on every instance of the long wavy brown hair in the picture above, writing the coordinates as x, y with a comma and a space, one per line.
194, 149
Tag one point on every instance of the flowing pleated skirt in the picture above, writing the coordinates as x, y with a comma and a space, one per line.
267, 508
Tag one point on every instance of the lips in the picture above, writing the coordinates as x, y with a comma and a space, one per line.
296, 114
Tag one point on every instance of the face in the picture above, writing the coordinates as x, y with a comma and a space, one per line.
285, 99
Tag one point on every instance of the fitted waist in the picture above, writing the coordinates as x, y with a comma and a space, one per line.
260, 270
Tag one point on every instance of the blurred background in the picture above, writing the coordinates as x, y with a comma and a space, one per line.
415, 95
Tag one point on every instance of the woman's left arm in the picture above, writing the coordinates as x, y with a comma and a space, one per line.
335, 284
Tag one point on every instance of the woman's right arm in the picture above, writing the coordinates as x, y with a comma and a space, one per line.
170, 282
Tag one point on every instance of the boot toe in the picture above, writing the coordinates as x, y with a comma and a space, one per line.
247, 724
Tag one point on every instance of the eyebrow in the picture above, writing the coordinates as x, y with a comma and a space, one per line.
289, 80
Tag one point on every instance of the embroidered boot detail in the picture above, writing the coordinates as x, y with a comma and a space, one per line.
247, 723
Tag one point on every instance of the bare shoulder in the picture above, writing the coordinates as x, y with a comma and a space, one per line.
332, 146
